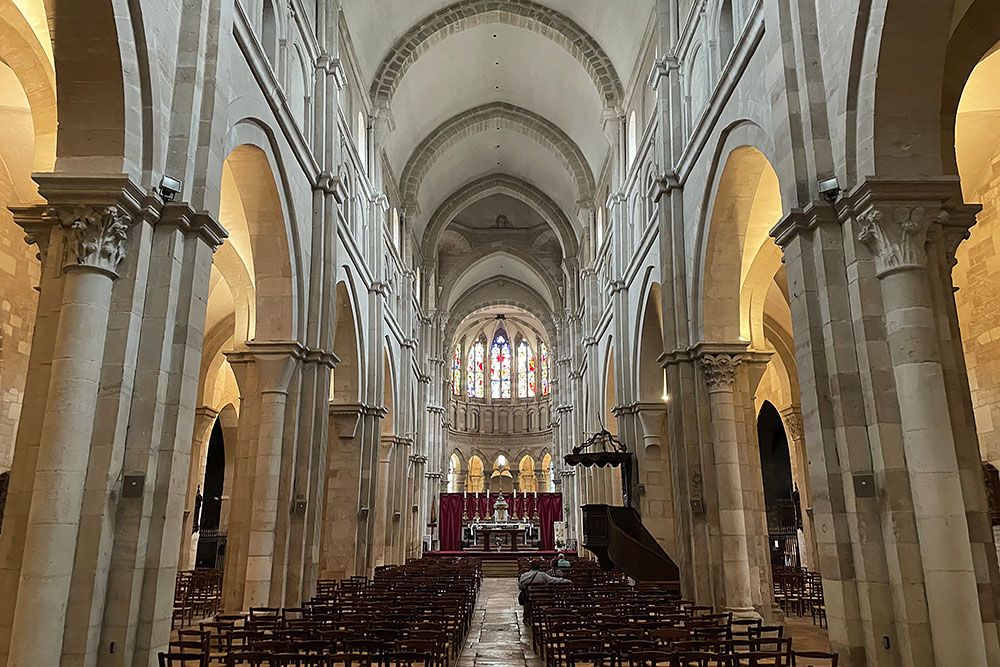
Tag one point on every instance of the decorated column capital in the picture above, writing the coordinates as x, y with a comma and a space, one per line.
720, 370
897, 239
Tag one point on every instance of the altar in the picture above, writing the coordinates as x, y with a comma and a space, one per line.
498, 523
501, 530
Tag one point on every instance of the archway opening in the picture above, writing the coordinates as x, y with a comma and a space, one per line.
27, 144
780, 493
474, 481
211, 549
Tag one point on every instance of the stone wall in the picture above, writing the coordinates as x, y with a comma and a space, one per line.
19, 272
977, 276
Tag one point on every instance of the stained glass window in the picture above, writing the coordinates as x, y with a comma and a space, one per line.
543, 362
526, 375
475, 371
500, 365
456, 370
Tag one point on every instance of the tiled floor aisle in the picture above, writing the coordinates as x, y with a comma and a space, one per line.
498, 637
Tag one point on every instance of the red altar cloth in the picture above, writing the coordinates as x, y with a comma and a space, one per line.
549, 506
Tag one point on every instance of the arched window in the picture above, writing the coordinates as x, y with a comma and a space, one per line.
549, 471
395, 230
474, 482
631, 140
599, 224
456, 370
726, 35
500, 365
269, 32
454, 467
475, 371
361, 140
526, 477
525, 370
543, 367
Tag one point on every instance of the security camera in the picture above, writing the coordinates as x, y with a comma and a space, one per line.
829, 189
169, 188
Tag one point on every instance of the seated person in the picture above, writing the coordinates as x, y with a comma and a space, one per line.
536, 576
561, 562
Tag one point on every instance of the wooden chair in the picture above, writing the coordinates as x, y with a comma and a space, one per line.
182, 659
651, 659
702, 659
814, 659
592, 659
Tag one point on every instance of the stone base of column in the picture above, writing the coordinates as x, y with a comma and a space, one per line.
745, 613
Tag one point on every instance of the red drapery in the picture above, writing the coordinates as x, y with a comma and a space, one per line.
549, 506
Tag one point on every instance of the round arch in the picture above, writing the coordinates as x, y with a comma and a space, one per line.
346, 385
737, 258
468, 14
270, 242
522, 259
489, 117
504, 184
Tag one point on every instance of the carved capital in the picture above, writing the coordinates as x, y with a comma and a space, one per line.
96, 237
897, 240
720, 370
793, 424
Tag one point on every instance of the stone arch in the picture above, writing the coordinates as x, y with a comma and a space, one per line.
508, 185
904, 125
468, 14
478, 298
217, 339
496, 115
21, 50
99, 50
737, 258
449, 280
389, 401
271, 240
346, 385
726, 31
649, 347
610, 389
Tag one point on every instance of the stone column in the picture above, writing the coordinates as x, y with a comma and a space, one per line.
894, 226
340, 502
273, 365
720, 375
654, 496
95, 241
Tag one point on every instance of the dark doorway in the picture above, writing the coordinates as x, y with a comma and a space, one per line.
780, 495
211, 540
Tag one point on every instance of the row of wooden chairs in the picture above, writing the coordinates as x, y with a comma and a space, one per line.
800, 592
603, 619
415, 615
197, 595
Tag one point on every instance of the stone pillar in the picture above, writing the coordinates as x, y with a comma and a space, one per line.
894, 226
340, 502
94, 242
654, 495
720, 375
875, 327
271, 366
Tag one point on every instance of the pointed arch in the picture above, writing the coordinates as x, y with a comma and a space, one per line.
500, 365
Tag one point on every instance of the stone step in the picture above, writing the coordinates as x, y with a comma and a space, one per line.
500, 568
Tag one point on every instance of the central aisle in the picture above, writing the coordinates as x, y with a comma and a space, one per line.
498, 637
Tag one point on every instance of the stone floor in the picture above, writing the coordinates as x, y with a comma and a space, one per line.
498, 637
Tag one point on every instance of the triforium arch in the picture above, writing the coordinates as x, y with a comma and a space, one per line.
468, 14
511, 186
491, 117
